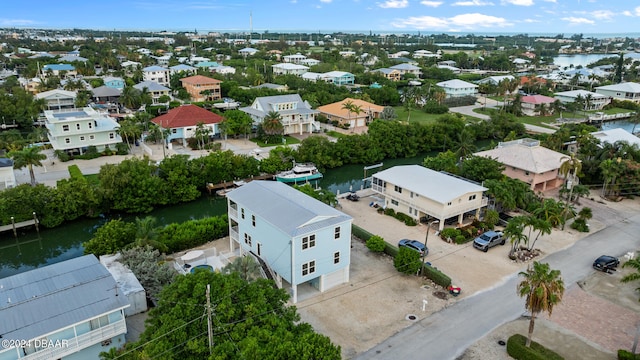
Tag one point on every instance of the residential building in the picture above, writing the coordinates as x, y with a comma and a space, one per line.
76, 129
419, 54
624, 91
271, 86
527, 160
495, 80
183, 121
293, 59
337, 112
247, 51
69, 310
407, 69
105, 94
182, 68
596, 101
458, 88
7, 175
297, 115
612, 136
534, 105
60, 70
298, 239
289, 69
114, 82
391, 74
154, 89
58, 99
202, 88
421, 192
334, 77
157, 74
309, 62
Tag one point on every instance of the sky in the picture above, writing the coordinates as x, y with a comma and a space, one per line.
379, 16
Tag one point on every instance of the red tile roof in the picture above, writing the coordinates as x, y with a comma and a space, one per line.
199, 79
537, 99
186, 115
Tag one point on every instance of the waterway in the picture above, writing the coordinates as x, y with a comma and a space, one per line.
579, 59
32, 250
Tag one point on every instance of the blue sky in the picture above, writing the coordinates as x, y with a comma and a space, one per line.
462, 16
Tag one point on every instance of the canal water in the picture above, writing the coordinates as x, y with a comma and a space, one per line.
32, 250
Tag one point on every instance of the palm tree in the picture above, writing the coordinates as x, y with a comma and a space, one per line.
245, 266
147, 233
543, 289
557, 107
465, 145
272, 124
29, 157
514, 231
540, 225
570, 165
202, 133
352, 108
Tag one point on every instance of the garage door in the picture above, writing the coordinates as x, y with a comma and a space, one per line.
335, 278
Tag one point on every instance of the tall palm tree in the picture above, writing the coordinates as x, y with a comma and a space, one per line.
570, 165
272, 124
245, 266
147, 233
28, 157
542, 289
514, 231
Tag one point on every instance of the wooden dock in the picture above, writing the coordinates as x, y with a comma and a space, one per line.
211, 187
17, 225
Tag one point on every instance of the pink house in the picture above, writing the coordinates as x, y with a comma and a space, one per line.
526, 160
534, 105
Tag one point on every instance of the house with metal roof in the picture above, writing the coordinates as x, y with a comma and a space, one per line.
624, 91
391, 74
296, 114
405, 68
289, 69
69, 310
58, 99
421, 192
77, 129
60, 70
154, 89
106, 94
596, 101
458, 88
297, 239
527, 160
157, 74
333, 77
7, 175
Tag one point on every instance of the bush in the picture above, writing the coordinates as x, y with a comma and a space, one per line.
449, 234
360, 233
91, 153
192, 233
516, 349
122, 149
580, 224
389, 211
74, 172
107, 151
433, 107
407, 261
376, 243
437, 276
460, 239
627, 355
62, 155
408, 220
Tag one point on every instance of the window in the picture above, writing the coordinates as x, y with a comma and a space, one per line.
253, 220
77, 126
526, 173
336, 257
174, 131
398, 189
242, 213
67, 141
472, 197
449, 204
112, 136
247, 239
81, 138
394, 202
90, 124
92, 137
309, 268
308, 242
336, 233
65, 127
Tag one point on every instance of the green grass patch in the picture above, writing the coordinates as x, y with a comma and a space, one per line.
615, 111
417, 115
336, 134
93, 179
516, 349
289, 141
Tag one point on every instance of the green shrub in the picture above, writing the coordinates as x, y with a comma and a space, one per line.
437, 276
122, 149
449, 233
74, 172
407, 261
360, 233
62, 155
389, 211
627, 355
91, 153
192, 233
376, 243
433, 107
390, 249
461, 239
107, 151
580, 224
408, 220
516, 349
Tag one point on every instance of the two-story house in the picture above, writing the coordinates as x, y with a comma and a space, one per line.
155, 90
202, 88
526, 160
624, 91
458, 88
405, 68
77, 129
157, 74
183, 121
58, 99
114, 82
69, 310
298, 239
596, 101
294, 59
391, 74
333, 77
296, 114
62, 71
421, 192
289, 69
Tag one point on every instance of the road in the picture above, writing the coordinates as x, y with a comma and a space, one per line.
448, 333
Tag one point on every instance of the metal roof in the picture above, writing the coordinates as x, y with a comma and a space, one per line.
286, 208
41, 301
428, 183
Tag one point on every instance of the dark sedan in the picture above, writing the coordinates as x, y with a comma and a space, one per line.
606, 263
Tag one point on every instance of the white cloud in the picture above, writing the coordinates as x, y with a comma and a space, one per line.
578, 21
431, 3
16, 22
531, 21
518, 2
551, 1
627, 13
326, 1
637, 11
472, 3
456, 23
602, 14
394, 4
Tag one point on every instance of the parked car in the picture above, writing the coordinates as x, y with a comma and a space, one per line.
606, 263
488, 240
414, 245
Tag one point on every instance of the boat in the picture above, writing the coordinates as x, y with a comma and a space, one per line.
299, 173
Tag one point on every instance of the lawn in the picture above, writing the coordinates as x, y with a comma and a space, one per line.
288, 141
92, 179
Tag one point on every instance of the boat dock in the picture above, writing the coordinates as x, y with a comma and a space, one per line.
17, 225
211, 187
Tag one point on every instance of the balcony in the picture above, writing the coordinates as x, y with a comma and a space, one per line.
80, 342
233, 234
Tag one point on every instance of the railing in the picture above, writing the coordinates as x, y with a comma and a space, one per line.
377, 188
233, 212
233, 234
80, 342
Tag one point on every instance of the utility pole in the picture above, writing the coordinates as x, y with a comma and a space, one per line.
209, 325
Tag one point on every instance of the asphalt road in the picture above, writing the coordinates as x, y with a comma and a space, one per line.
448, 333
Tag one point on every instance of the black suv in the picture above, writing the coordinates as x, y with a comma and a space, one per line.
606, 263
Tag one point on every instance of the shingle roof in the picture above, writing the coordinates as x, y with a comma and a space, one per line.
537, 99
533, 158
186, 115
199, 79
46, 299
431, 184
286, 208
104, 91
